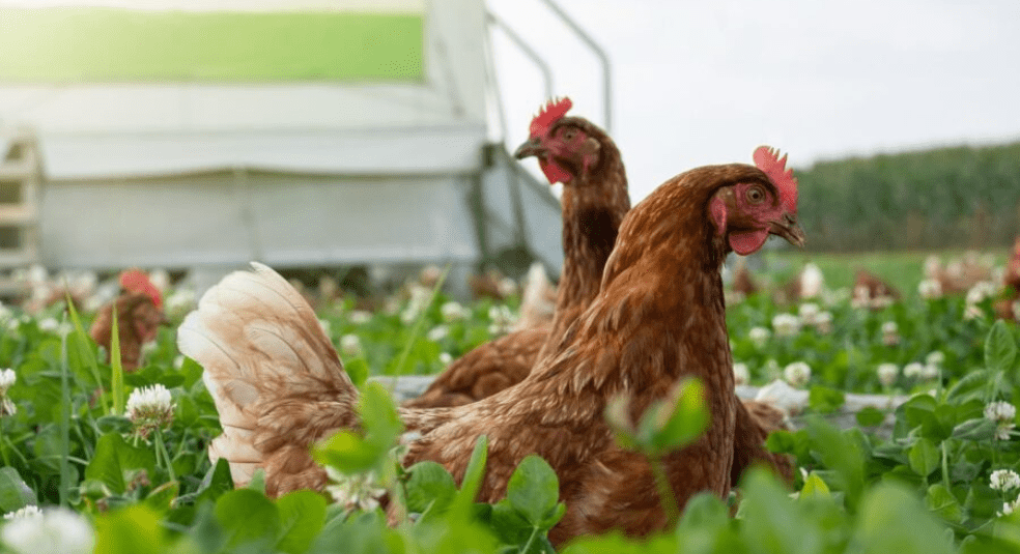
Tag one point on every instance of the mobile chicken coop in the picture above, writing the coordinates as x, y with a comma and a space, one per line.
201, 134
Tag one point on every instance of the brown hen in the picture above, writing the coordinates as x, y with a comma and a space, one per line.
575, 152
139, 315
659, 318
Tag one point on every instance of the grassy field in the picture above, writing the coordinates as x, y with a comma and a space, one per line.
903, 270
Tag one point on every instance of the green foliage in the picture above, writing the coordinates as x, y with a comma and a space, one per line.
960, 196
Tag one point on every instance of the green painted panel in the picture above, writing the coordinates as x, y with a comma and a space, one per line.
71, 45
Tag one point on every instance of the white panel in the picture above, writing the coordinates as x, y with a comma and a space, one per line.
450, 150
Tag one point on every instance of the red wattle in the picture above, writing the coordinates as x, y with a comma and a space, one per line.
749, 242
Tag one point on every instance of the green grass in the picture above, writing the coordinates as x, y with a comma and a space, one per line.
903, 270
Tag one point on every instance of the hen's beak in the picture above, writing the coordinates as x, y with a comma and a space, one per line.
531, 148
788, 228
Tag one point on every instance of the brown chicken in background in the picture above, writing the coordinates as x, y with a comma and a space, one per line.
279, 385
139, 315
575, 152
743, 283
870, 291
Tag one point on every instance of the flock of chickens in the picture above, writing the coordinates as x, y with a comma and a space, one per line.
639, 308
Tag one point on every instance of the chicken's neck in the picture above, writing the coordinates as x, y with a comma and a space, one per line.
593, 209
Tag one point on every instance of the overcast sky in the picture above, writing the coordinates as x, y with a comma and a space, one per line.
699, 82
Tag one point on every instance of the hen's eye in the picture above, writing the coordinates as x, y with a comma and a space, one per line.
755, 195
568, 134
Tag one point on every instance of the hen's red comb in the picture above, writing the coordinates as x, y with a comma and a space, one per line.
548, 115
135, 280
767, 159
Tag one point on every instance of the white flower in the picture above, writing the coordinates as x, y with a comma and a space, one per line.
56, 530
929, 289
930, 371
973, 312
502, 319
358, 491
1002, 412
797, 374
808, 312
150, 408
740, 374
772, 369
887, 374
28, 511
1009, 507
759, 336
7, 379
890, 333
823, 323
913, 370
438, 333
360, 317
979, 292
861, 298
180, 302
420, 298
49, 324
453, 311
935, 357
1004, 480
786, 325
811, 281
445, 358
350, 345
784, 397
506, 287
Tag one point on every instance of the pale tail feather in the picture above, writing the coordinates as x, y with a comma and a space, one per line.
267, 366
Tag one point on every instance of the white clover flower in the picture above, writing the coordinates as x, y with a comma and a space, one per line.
350, 346
808, 312
420, 298
930, 289
150, 408
797, 374
1004, 480
453, 311
913, 370
1009, 507
811, 281
786, 325
438, 333
445, 358
56, 530
360, 317
49, 324
180, 302
502, 320
741, 375
506, 287
980, 291
861, 297
890, 333
360, 491
973, 312
936, 357
28, 511
759, 336
7, 379
999, 411
887, 374
823, 323
930, 371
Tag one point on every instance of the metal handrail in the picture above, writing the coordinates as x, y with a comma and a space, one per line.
594, 46
531, 53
